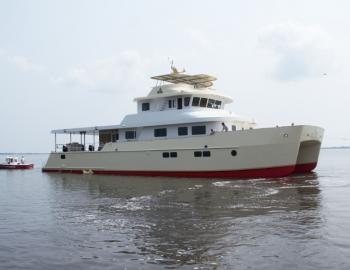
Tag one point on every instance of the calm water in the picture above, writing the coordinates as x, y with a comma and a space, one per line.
55, 221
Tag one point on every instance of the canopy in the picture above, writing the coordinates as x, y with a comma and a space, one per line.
199, 80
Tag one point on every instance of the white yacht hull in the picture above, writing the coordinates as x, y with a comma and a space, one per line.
261, 153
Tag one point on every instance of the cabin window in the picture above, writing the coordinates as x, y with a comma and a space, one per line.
145, 106
187, 101
114, 137
173, 154
179, 103
211, 103
130, 135
197, 153
218, 104
160, 132
182, 131
206, 153
195, 101
203, 102
234, 153
171, 103
63, 156
165, 154
198, 130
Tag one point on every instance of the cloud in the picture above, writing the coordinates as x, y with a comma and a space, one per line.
21, 63
300, 51
120, 71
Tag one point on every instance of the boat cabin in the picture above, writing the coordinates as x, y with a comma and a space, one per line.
188, 106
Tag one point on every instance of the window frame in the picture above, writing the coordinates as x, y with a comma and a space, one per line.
156, 133
183, 128
197, 127
145, 106
130, 132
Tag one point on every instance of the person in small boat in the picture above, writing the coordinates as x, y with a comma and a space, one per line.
22, 160
212, 132
224, 127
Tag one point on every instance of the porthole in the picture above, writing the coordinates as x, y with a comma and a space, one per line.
63, 156
234, 153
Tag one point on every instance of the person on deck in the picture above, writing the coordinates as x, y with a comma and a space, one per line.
224, 127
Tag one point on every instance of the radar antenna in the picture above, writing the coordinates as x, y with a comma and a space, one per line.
173, 68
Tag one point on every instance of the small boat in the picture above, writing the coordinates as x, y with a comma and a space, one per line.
13, 163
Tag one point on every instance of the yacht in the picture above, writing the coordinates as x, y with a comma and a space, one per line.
181, 129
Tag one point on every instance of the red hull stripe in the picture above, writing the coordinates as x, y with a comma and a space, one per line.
304, 168
252, 173
17, 167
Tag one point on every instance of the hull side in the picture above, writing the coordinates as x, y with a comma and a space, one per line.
234, 174
261, 153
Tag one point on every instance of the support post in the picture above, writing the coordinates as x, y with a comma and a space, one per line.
55, 143
70, 137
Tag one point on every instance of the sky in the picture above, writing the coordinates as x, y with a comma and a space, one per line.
79, 63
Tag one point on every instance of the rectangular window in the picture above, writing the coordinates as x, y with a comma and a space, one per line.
217, 104
195, 101
211, 103
182, 131
63, 156
206, 153
160, 132
198, 130
145, 106
173, 154
165, 154
197, 153
187, 101
115, 137
203, 102
130, 135
179, 103
171, 103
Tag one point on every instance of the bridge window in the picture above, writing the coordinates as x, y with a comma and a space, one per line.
203, 102
165, 154
182, 131
218, 104
160, 132
198, 130
195, 101
211, 103
145, 106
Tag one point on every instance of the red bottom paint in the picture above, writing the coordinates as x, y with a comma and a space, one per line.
251, 173
304, 168
16, 167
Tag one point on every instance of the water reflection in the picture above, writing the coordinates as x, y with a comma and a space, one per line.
172, 222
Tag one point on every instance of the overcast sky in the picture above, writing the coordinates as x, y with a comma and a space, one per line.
80, 63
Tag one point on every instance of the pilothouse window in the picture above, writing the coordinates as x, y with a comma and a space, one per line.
145, 106
195, 101
203, 102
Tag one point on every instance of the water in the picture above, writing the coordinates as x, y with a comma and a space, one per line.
61, 221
